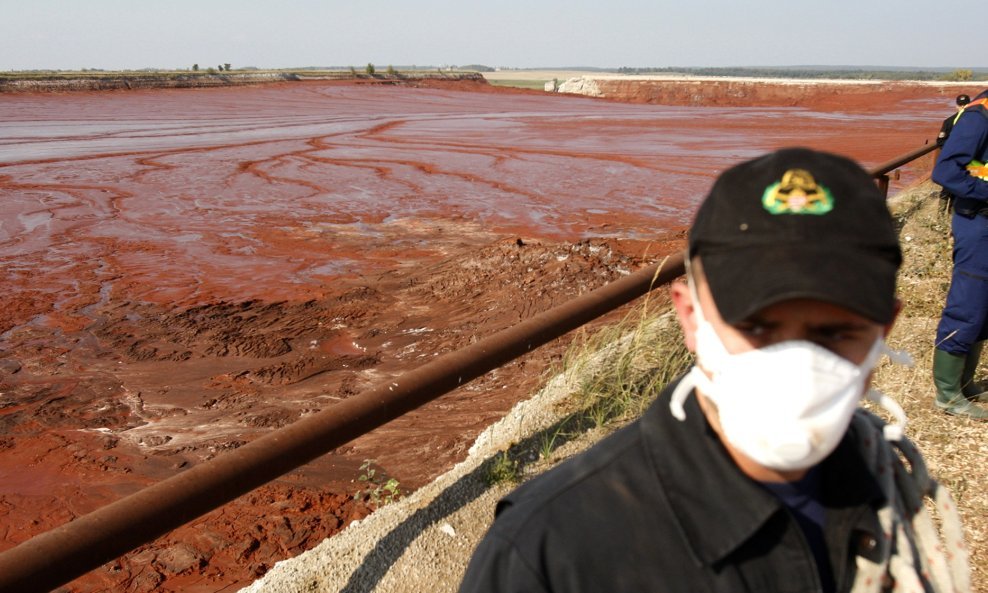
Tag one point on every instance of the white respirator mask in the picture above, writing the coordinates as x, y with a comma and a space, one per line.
786, 406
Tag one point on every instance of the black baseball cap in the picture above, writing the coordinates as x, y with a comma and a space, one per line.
797, 223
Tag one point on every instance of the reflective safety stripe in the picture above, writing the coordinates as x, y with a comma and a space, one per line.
970, 105
975, 168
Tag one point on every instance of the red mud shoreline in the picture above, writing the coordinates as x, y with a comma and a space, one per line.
109, 82
186, 269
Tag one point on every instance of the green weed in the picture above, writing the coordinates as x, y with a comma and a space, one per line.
503, 470
547, 443
381, 489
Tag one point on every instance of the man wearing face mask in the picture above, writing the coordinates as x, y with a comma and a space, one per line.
757, 470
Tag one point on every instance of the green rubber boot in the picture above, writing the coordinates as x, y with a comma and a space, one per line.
975, 391
947, 371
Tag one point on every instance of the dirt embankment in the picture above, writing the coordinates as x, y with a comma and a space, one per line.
109, 82
815, 94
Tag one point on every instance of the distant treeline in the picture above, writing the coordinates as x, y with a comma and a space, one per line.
837, 72
960, 74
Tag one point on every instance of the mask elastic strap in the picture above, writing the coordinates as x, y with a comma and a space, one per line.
681, 392
893, 432
695, 377
689, 380
694, 295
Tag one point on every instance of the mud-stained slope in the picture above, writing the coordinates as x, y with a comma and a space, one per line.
826, 95
148, 390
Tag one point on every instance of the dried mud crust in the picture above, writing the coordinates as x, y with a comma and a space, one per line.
144, 391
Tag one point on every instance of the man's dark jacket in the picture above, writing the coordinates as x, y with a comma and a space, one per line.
660, 506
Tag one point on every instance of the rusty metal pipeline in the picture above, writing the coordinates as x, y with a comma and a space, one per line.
881, 172
900, 160
56, 557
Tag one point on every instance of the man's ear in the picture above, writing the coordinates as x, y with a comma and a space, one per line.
895, 315
682, 300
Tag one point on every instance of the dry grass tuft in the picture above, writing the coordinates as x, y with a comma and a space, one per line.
954, 448
624, 366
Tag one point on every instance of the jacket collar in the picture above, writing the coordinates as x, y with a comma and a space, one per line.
717, 507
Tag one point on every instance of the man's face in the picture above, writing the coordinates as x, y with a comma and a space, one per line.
837, 329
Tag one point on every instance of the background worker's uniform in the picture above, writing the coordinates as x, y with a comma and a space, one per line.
945, 129
964, 323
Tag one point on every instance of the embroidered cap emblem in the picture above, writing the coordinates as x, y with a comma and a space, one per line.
797, 193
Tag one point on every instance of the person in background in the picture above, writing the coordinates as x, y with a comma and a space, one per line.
948, 123
757, 470
960, 169
945, 128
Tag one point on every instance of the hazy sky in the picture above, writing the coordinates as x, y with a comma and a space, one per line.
125, 34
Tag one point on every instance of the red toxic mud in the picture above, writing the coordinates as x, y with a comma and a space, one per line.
184, 270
